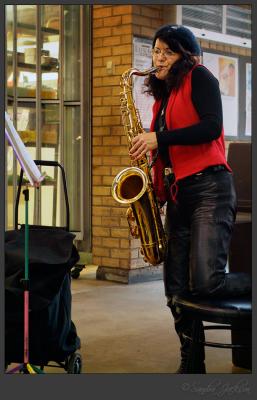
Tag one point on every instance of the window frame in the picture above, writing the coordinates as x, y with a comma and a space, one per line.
220, 37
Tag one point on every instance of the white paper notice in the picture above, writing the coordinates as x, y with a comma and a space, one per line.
225, 69
142, 59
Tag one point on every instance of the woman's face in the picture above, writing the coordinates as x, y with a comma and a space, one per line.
163, 58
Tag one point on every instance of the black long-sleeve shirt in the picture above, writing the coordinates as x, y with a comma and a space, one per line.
207, 101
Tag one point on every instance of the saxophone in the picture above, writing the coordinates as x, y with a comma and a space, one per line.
133, 185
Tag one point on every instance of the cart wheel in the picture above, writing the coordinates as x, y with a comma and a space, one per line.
75, 272
74, 364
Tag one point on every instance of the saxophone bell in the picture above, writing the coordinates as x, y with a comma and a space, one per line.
129, 185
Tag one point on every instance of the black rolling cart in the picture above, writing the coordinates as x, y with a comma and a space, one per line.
38, 325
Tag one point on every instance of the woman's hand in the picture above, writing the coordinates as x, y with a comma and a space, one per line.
141, 144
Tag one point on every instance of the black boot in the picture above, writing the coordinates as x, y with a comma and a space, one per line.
184, 351
183, 326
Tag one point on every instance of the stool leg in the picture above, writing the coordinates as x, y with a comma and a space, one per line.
195, 363
242, 357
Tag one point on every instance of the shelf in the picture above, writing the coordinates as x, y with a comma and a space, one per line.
32, 67
33, 100
22, 94
49, 68
27, 66
48, 138
30, 27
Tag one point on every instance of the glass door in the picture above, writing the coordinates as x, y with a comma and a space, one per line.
72, 126
44, 78
50, 115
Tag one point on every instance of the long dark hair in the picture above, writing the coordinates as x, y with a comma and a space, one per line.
161, 88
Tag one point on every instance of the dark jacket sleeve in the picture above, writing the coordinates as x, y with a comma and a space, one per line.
206, 98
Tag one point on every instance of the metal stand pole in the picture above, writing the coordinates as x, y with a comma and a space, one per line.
26, 367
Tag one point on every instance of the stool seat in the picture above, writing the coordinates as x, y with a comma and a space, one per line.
234, 314
217, 310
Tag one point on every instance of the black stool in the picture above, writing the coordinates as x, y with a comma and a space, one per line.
233, 314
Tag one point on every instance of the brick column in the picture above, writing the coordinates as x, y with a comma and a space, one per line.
112, 46
116, 254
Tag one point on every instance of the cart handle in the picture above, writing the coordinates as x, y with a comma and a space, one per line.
49, 164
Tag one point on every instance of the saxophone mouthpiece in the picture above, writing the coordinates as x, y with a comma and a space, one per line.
154, 69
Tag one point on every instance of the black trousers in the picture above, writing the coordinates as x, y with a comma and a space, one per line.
199, 227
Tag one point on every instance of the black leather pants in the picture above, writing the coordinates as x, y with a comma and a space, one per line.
199, 228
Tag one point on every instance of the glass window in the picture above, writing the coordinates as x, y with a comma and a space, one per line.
9, 49
50, 51
52, 198
203, 16
26, 51
50, 120
227, 19
72, 49
10, 176
26, 125
50, 150
239, 21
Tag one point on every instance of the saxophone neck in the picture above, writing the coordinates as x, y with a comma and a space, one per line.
135, 71
126, 77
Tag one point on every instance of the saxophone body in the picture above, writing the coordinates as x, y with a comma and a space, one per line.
133, 185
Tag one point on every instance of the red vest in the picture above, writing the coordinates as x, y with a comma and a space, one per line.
185, 159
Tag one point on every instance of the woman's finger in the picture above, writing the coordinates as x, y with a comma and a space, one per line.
135, 148
142, 150
135, 153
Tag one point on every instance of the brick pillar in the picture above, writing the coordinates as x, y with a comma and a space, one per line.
116, 254
112, 41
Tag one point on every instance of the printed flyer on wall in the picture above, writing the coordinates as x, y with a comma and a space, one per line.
225, 69
142, 59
